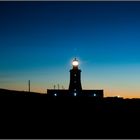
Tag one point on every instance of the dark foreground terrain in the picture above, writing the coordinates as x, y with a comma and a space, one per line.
32, 115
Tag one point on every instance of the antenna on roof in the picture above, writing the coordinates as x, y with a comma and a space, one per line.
29, 85
58, 86
63, 87
54, 86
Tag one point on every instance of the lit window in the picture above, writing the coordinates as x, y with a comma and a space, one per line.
55, 94
74, 94
74, 74
74, 89
94, 94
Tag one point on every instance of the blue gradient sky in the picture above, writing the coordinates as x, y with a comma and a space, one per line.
38, 41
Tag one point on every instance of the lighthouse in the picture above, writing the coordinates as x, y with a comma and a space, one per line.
75, 87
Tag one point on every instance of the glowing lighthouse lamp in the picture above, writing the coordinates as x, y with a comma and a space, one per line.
75, 63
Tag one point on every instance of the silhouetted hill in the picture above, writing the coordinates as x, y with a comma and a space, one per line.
35, 115
6, 92
107, 104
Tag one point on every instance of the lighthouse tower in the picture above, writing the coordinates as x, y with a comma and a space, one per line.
75, 88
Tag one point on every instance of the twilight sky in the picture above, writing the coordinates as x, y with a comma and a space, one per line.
38, 41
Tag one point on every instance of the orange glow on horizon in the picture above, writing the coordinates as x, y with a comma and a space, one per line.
107, 92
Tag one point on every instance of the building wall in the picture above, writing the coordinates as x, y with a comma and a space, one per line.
88, 93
